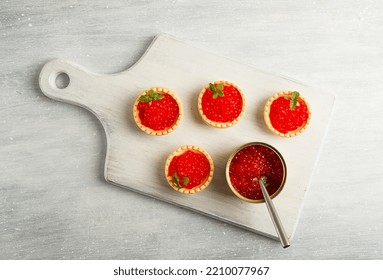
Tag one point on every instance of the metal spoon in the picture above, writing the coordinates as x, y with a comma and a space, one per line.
274, 215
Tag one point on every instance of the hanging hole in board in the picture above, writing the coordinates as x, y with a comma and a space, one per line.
60, 80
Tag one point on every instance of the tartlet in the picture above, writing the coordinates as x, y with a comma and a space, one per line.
287, 113
221, 104
189, 169
157, 111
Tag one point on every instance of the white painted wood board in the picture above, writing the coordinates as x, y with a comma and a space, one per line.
136, 160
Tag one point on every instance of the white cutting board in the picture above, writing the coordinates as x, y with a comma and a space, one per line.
136, 160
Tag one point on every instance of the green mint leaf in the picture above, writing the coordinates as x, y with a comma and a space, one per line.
294, 99
151, 93
212, 87
145, 98
157, 96
176, 180
216, 90
185, 180
150, 96
295, 95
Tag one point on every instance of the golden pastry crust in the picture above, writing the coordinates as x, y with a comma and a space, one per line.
149, 130
215, 123
266, 115
180, 151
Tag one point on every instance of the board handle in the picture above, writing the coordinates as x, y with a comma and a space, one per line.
80, 87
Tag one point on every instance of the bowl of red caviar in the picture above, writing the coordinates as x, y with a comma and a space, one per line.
248, 164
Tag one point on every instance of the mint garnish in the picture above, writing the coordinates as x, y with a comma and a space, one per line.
293, 99
185, 180
176, 180
150, 96
217, 90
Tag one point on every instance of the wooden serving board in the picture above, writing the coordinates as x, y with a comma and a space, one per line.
136, 160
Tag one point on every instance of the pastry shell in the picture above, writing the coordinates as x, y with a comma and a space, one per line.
215, 123
149, 130
266, 115
180, 151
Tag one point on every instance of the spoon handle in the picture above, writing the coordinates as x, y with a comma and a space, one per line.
274, 217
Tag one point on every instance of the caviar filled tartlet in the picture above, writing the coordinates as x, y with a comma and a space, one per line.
221, 104
189, 169
157, 111
287, 113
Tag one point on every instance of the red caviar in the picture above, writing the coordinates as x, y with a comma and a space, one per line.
284, 119
251, 162
159, 114
225, 108
192, 165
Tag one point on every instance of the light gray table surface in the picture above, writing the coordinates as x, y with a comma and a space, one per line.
54, 202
